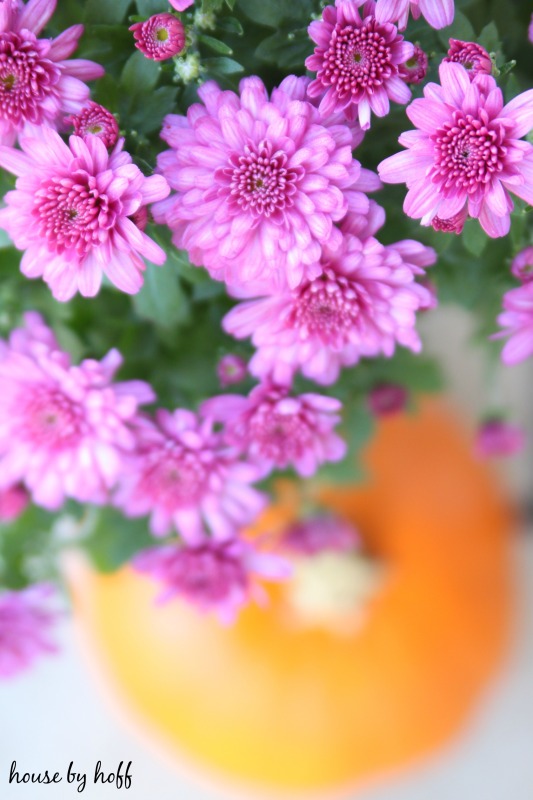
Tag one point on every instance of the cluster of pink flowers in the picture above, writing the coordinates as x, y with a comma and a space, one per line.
25, 622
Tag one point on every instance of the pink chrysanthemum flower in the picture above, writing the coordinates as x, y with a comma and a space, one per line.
160, 37
467, 151
415, 68
454, 224
231, 369
471, 55
320, 533
277, 430
95, 120
63, 429
186, 478
522, 265
25, 623
517, 318
362, 303
213, 576
439, 13
38, 82
357, 62
386, 399
13, 500
71, 213
259, 183
496, 437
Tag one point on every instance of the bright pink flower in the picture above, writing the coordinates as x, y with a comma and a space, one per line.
387, 398
213, 576
259, 183
181, 5
467, 151
186, 478
362, 303
71, 212
159, 37
357, 62
453, 224
530, 30
496, 437
471, 55
63, 429
415, 68
320, 533
95, 120
439, 13
231, 369
517, 318
522, 266
25, 623
278, 430
13, 501
38, 82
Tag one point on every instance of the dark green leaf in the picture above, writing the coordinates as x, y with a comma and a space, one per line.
474, 237
96, 11
140, 74
215, 44
222, 65
161, 299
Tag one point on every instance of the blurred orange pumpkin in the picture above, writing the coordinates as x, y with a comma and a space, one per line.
292, 707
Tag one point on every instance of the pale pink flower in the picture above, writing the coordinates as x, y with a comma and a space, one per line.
387, 398
453, 224
13, 501
496, 437
439, 13
357, 61
467, 151
181, 5
471, 55
361, 304
214, 576
260, 183
160, 37
25, 622
95, 120
39, 84
186, 478
517, 319
320, 533
63, 429
231, 369
415, 68
277, 430
71, 212
522, 265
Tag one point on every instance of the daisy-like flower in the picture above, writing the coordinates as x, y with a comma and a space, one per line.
187, 479
357, 61
214, 576
320, 533
517, 319
63, 429
95, 120
496, 437
231, 369
471, 55
160, 37
522, 266
362, 303
72, 213
259, 183
25, 622
277, 430
467, 151
439, 13
13, 501
415, 68
38, 82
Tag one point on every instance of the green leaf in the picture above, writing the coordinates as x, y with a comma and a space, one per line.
230, 25
140, 75
96, 11
215, 44
474, 237
461, 28
222, 65
489, 38
149, 110
288, 49
161, 299
149, 7
114, 539
211, 6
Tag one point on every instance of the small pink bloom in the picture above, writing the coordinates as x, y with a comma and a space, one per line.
95, 120
63, 429
320, 533
415, 68
213, 576
439, 13
496, 437
38, 82
13, 501
517, 319
71, 212
160, 37
386, 399
362, 303
25, 623
181, 5
277, 430
522, 266
530, 30
231, 369
467, 151
357, 61
471, 55
259, 183
186, 478
454, 224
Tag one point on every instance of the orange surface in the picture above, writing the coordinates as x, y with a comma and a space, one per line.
306, 708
